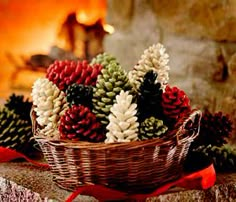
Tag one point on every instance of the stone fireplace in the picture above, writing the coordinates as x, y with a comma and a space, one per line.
198, 35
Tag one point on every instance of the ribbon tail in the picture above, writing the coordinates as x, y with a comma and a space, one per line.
7, 155
202, 179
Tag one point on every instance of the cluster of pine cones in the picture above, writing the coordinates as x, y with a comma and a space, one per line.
101, 102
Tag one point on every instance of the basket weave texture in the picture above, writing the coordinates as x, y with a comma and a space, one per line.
134, 166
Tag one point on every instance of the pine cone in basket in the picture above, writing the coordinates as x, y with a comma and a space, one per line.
175, 104
154, 58
64, 73
20, 106
49, 104
104, 59
123, 124
152, 128
79, 123
215, 129
149, 99
224, 157
79, 94
110, 82
15, 133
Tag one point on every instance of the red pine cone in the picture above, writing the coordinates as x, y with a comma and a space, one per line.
64, 73
175, 103
79, 123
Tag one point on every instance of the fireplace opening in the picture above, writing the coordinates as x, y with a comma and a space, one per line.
41, 32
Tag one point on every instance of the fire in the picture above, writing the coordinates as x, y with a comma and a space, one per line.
90, 11
32, 27
108, 28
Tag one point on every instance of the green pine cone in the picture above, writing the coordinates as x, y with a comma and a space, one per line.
152, 128
110, 82
224, 157
19, 105
15, 133
104, 59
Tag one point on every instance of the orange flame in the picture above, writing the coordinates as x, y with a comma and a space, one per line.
33, 25
91, 11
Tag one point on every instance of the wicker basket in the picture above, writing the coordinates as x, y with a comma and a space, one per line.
135, 166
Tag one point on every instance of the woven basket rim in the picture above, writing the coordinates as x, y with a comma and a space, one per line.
175, 140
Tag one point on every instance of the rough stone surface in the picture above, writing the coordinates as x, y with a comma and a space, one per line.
127, 43
10, 191
212, 19
20, 179
37, 180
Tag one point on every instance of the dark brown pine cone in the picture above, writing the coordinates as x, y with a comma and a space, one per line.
215, 129
77, 94
149, 98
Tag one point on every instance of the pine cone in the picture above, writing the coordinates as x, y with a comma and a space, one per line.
154, 58
79, 123
215, 129
79, 94
50, 131
104, 59
149, 99
15, 133
152, 128
110, 82
175, 104
65, 73
123, 125
49, 102
20, 106
224, 157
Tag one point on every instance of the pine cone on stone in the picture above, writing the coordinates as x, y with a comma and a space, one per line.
175, 104
149, 99
104, 59
15, 133
79, 94
20, 105
80, 124
223, 157
123, 124
152, 128
64, 73
49, 104
154, 58
110, 82
215, 128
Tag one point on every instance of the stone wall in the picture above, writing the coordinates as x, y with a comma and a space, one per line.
199, 37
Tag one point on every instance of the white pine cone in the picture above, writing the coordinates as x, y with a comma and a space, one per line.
154, 58
123, 124
49, 103
50, 131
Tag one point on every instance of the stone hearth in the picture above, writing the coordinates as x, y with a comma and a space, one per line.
28, 182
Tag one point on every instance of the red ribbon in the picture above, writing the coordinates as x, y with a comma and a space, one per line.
202, 179
7, 155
